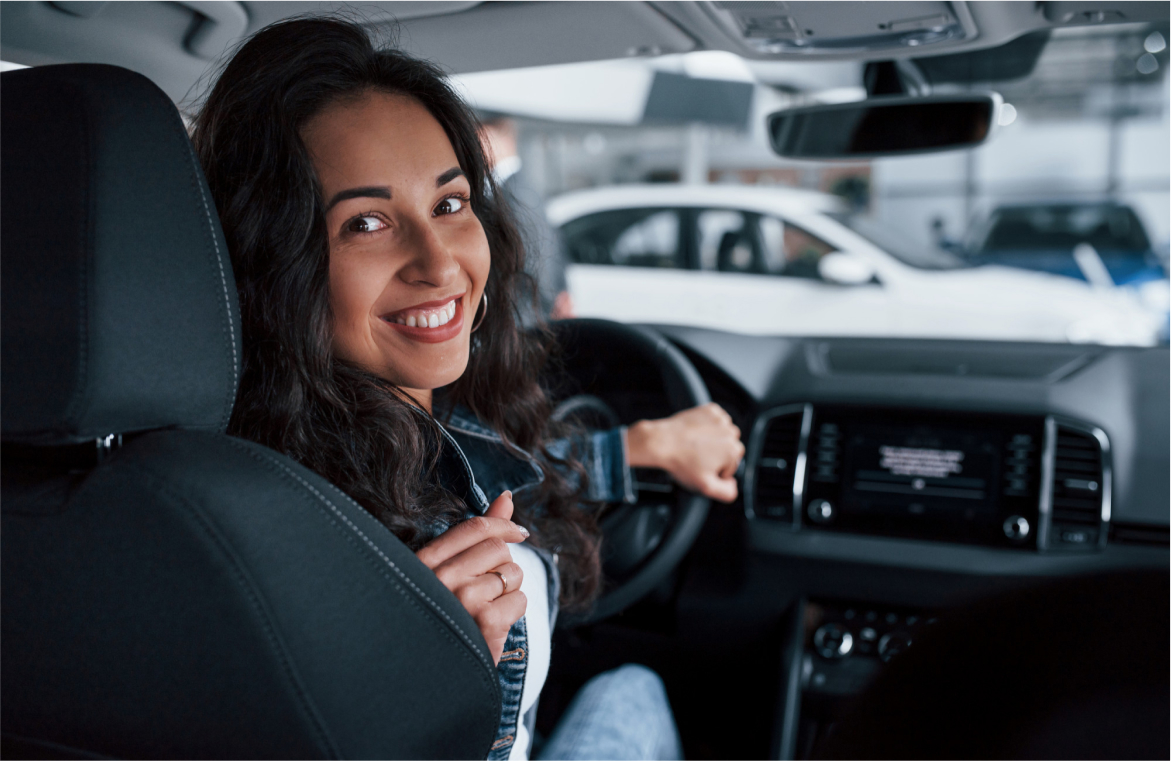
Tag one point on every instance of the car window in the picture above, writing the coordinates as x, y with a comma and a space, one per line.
790, 250
627, 237
1052, 228
726, 242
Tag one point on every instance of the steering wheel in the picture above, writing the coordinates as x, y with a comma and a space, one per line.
613, 374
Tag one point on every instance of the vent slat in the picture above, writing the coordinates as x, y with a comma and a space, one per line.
773, 485
1077, 493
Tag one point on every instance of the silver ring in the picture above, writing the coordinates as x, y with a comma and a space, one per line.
503, 581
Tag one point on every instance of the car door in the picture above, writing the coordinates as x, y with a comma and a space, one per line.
631, 265
761, 276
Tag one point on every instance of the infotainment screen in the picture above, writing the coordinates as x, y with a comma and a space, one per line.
920, 469
953, 476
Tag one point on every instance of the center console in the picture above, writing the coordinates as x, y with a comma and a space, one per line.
1020, 482
833, 651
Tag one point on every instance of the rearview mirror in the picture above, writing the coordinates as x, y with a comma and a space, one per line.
884, 126
844, 269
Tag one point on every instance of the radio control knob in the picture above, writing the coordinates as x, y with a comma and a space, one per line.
892, 644
821, 511
1016, 528
833, 641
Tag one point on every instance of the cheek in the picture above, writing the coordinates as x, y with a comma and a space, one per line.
477, 258
352, 293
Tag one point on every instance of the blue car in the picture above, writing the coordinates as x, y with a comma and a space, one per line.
1044, 238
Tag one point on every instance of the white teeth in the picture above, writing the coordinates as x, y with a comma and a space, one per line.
442, 316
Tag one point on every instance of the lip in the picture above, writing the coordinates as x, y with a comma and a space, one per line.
445, 332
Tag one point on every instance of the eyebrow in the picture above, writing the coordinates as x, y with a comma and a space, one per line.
448, 176
367, 192
376, 191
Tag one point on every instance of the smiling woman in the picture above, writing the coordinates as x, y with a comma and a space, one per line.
367, 241
408, 257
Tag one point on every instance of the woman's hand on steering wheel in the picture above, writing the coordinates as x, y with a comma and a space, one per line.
472, 560
700, 447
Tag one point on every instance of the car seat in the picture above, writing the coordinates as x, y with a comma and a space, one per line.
168, 590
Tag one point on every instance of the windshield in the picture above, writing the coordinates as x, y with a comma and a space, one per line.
672, 208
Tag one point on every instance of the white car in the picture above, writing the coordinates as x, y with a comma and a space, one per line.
771, 261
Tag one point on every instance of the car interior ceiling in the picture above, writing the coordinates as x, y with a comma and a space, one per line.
134, 527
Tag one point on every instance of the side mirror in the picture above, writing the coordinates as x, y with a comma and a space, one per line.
844, 269
884, 126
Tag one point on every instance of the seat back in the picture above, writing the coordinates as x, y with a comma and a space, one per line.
185, 594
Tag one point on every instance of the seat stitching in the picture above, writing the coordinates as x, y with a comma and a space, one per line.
352, 526
254, 598
196, 175
231, 331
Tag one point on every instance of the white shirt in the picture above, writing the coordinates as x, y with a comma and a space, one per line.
535, 586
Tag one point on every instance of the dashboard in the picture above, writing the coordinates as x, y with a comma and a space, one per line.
976, 457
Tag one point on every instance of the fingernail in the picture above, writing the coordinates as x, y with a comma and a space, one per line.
506, 493
522, 530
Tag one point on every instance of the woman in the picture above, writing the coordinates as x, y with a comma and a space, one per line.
378, 276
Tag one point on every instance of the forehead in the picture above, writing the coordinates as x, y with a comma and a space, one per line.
377, 138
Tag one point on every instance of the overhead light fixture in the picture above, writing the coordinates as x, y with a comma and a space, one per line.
813, 28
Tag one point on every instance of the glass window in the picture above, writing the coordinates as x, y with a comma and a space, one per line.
790, 250
626, 237
725, 241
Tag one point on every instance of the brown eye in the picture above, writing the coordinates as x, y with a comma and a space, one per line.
449, 206
366, 224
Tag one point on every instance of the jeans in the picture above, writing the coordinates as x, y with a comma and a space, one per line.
621, 714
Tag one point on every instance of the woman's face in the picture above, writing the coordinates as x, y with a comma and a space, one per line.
408, 259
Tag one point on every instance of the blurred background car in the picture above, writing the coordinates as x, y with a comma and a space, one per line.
769, 261
1102, 243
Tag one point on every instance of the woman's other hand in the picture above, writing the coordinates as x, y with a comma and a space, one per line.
700, 447
472, 560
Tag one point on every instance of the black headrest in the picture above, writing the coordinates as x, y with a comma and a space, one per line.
119, 308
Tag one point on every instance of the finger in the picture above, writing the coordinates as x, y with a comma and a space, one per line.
501, 507
496, 620
468, 534
511, 574
502, 613
489, 586
722, 489
474, 561
720, 412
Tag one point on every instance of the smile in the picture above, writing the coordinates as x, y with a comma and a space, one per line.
424, 318
432, 322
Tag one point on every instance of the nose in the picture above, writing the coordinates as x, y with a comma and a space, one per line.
431, 261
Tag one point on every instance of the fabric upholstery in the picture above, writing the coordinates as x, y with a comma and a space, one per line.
190, 595
201, 596
116, 279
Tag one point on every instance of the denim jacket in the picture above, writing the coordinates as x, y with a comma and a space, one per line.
478, 468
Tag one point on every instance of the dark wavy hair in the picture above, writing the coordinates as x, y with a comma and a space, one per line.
296, 396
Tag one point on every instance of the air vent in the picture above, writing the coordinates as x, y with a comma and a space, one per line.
777, 446
825, 454
1080, 490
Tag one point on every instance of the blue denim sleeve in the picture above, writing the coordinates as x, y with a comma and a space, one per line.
603, 454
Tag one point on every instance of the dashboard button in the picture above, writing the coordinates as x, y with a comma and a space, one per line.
1016, 528
821, 511
892, 644
833, 641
